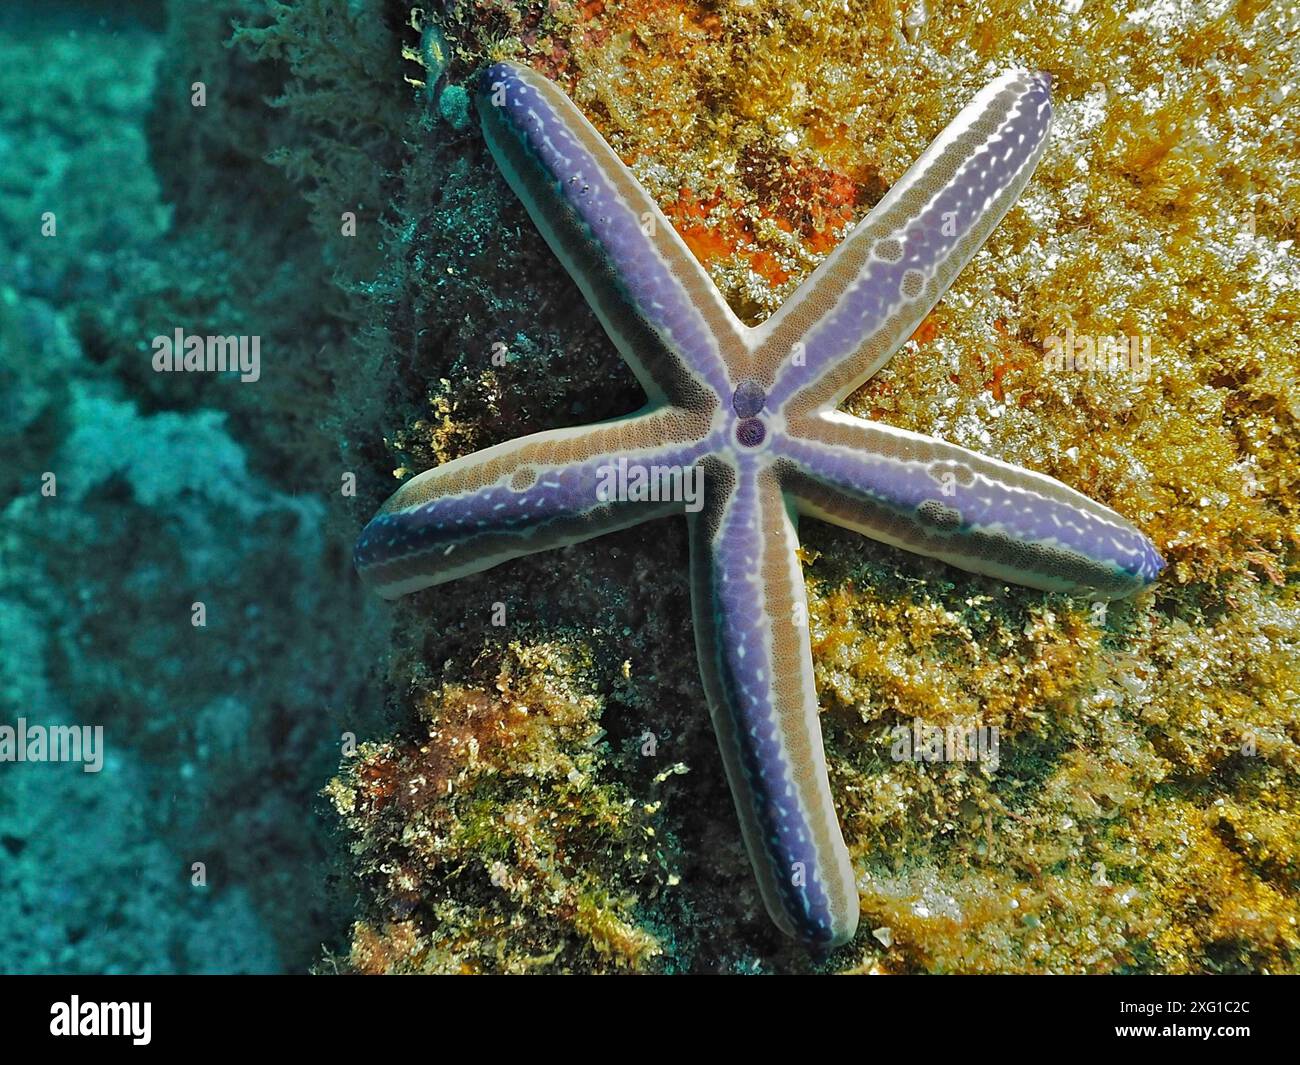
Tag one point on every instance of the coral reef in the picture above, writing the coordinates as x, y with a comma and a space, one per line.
1142, 814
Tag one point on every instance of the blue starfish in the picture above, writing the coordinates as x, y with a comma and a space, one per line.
752, 411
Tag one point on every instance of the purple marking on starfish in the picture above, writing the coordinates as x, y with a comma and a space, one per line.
749, 398
750, 432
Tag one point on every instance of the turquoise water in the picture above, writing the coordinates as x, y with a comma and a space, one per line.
174, 582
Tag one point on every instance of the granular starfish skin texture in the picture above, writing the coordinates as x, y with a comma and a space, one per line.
753, 410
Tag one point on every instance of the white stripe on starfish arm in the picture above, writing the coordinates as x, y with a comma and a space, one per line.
938, 499
538, 492
870, 294
659, 306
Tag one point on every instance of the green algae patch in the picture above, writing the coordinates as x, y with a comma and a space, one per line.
492, 838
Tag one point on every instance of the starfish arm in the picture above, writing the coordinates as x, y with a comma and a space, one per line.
751, 633
982, 515
658, 305
541, 491
870, 294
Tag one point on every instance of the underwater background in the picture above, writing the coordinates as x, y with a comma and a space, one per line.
299, 777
